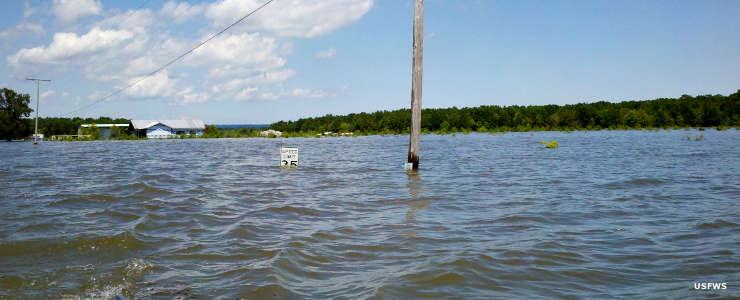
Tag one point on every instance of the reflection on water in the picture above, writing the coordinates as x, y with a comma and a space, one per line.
416, 203
609, 214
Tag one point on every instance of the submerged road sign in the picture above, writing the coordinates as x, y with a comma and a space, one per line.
288, 157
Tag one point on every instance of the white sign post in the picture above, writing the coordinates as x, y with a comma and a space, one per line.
289, 157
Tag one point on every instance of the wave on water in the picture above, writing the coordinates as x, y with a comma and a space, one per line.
631, 183
124, 240
717, 224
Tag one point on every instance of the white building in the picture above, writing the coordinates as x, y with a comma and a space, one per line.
271, 132
160, 129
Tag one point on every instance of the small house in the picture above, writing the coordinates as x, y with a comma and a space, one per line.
271, 132
161, 129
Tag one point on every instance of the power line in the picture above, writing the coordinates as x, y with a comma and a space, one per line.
116, 92
142, 5
126, 19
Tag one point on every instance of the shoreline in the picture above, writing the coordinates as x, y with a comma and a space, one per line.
424, 132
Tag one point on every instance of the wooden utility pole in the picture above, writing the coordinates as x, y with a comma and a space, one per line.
36, 132
416, 85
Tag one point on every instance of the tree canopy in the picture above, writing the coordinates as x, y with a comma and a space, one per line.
54, 126
13, 113
686, 111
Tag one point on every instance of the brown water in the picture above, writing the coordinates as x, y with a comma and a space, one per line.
622, 214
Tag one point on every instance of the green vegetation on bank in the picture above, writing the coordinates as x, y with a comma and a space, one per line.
70, 126
67, 129
13, 109
212, 131
716, 111
66, 126
94, 133
687, 111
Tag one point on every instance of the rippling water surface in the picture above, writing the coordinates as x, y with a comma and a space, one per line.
625, 214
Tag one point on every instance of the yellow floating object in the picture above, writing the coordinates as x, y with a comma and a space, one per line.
553, 144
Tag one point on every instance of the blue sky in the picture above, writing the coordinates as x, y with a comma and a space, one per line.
301, 58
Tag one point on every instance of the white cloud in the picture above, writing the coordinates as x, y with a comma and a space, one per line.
67, 11
67, 46
297, 18
107, 49
35, 28
138, 55
158, 85
139, 21
269, 96
265, 78
29, 10
96, 95
328, 53
187, 96
47, 94
298, 93
247, 93
237, 55
242, 49
140, 66
21, 28
246, 63
311, 93
180, 12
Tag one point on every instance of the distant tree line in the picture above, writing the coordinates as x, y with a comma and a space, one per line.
686, 111
71, 126
16, 121
63, 126
212, 131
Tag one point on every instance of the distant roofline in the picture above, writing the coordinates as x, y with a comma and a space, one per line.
181, 124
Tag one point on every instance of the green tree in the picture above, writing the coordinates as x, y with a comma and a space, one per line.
13, 109
94, 132
212, 132
115, 132
445, 126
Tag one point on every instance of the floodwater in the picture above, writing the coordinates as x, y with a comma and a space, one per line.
608, 214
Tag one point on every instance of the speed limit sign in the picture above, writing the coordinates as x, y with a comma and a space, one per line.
288, 157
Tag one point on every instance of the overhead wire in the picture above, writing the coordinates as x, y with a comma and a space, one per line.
142, 5
142, 78
125, 20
